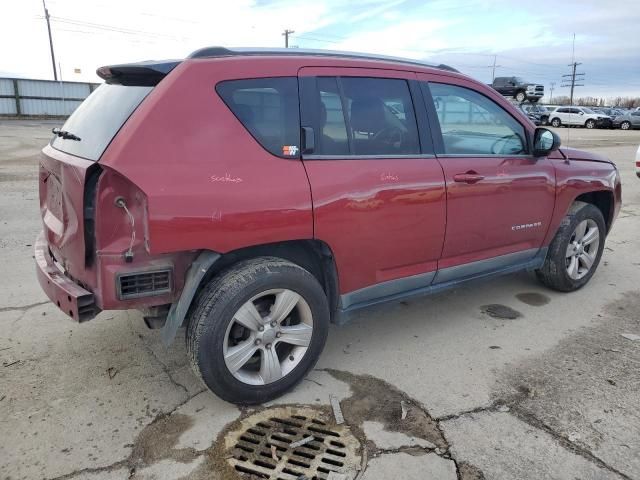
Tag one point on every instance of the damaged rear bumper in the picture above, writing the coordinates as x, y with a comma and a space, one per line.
70, 297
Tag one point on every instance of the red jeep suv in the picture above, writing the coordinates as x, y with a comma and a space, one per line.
255, 196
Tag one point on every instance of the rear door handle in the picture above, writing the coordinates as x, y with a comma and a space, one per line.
468, 177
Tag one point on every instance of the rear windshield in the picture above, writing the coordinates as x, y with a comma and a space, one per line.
97, 120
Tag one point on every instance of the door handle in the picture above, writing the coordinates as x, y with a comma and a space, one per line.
468, 177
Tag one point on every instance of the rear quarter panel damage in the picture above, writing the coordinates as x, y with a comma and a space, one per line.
208, 184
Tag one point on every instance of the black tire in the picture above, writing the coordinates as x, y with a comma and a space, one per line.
625, 125
215, 307
554, 273
556, 122
590, 124
521, 96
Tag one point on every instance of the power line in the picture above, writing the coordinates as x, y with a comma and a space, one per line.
111, 28
553, 84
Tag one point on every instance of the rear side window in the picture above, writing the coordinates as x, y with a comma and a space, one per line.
268, 109
333, 128
366, 116
97, 120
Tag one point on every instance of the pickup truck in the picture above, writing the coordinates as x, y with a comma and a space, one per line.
518, 88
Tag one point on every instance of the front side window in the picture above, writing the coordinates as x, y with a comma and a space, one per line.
472, 124
268, 109
366, 116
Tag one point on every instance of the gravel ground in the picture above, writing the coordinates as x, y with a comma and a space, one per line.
439, 387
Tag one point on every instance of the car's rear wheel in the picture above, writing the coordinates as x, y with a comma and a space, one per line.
590, 124
257, 329
520, 96
556, 122
625, 125
575, 252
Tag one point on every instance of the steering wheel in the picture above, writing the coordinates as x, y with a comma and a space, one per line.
502, 143
392, 136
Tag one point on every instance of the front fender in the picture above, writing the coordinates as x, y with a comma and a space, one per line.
578, 177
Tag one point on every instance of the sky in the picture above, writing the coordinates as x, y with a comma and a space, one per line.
528, 39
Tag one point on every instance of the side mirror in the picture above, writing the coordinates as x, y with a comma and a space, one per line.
544, 142
581, 113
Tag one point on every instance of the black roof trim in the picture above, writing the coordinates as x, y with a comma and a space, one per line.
141, 74
209, 52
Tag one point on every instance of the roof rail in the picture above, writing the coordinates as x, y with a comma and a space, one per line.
209, 52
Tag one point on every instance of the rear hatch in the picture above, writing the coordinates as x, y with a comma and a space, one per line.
69, 167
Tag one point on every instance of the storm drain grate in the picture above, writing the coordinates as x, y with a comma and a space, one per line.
280, 431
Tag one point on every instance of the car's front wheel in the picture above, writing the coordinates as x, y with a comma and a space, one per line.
590, 124
625, 125
520, 96
556, 122
574, 253
257, 329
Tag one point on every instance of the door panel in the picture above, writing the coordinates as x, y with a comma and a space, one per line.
507, 211
499, 198
383, 215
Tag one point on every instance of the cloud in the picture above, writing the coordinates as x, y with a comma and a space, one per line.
532, 40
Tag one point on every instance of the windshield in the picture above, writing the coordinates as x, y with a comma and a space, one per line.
90, 129
588, 110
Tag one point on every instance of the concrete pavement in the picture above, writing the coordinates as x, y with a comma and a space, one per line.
550, 394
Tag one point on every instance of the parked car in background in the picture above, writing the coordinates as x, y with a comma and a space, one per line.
627, 121
311, 185
539, 111
518, 88
530, 115
579, 117
611, 112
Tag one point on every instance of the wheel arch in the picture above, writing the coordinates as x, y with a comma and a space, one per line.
603, 200
313, 255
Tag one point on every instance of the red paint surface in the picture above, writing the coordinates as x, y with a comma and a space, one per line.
195, 179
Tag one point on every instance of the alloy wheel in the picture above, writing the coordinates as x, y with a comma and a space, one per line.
268, 337
582, 249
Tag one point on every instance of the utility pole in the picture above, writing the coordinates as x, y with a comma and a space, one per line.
553, 84
53, 57
286, 34
570, 79
493, 68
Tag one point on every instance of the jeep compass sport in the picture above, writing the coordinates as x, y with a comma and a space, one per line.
255, 196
